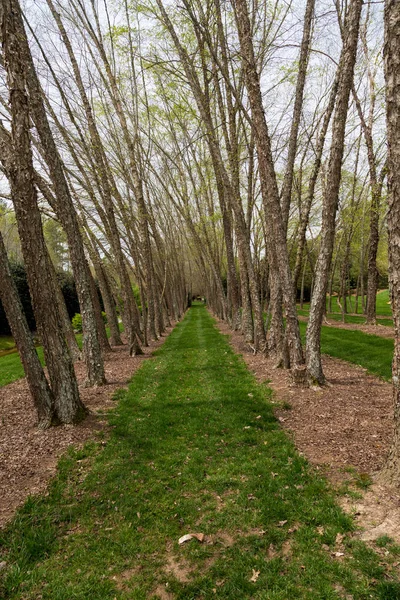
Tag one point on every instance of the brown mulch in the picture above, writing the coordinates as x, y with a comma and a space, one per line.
28, 456
380, 330
344, 426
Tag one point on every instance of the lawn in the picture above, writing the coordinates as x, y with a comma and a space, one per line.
190, 451
383, 307
348, 318
6, 344
372, 352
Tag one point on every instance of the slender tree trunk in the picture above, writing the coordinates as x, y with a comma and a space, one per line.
65, 320
37, 382
318, 304
109, 305
105, 344
269, 187
64, 209
391, 470
132, 321
68, 405
297, 110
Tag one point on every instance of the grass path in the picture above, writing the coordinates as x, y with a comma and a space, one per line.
194, 447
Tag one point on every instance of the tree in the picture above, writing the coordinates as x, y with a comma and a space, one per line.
68, 405
318, 304
37, 382
391, 471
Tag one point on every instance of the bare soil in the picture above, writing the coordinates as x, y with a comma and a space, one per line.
28, 456
344, 430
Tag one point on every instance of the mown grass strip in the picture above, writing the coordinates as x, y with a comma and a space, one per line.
383, 306
194, 447
372, 352
348, 318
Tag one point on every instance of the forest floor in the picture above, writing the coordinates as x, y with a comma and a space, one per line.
28, 456
194, 448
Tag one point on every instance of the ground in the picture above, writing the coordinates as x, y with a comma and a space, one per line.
28, 456
189, 451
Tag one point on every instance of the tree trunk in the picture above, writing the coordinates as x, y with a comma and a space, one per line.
391, 470
269, 188
64, 209
37, 382
68, 406
318, 304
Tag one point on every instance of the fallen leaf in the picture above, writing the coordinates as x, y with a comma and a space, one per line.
255, 576
190, 536
282, 523
337, 554
339, 538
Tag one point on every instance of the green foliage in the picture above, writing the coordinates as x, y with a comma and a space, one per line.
77, 323
189, 450
67, 285
56, 242
136, 293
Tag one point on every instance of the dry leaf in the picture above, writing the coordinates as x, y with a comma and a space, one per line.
282, 523
190, 536
321, 530
255, 576
337, 554
339, 538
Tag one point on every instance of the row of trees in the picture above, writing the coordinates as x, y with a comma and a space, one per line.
231, 148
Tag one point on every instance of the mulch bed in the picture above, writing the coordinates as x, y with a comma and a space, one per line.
29, 456
344, 427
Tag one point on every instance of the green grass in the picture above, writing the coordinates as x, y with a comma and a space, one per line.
6, 343
383, 307
372, 352
348, 318
194, 447
11, 367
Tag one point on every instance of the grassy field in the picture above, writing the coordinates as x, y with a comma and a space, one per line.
348, 318
6, 344
190, 451
369, 351
372, 352
383, 308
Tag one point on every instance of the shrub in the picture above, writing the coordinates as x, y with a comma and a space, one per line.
77, 323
